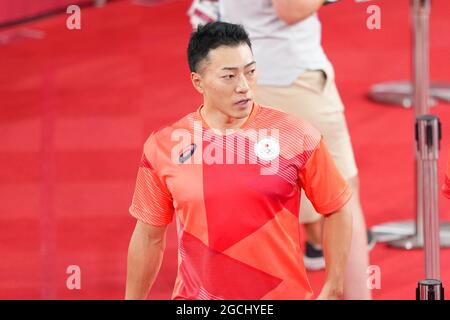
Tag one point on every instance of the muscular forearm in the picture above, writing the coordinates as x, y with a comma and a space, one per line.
145, 255
337, 234
293, 11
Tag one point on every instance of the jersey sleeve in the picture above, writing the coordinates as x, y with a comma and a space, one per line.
152, 202
322, 182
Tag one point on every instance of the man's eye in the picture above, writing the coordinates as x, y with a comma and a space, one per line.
230, 76
252, 71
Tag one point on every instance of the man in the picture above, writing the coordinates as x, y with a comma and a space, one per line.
236, 204
296, 76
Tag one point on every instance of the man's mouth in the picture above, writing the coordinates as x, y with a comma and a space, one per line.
242, 102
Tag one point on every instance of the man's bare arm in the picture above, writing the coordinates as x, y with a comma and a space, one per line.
293, 11
337, 236
145, 254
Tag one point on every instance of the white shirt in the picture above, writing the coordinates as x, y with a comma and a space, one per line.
282, 52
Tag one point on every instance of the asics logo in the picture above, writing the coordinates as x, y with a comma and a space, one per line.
187, 153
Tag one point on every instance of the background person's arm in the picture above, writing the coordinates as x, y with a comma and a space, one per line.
293, 11
145, 254
337, 235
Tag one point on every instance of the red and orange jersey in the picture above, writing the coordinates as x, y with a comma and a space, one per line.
236, 201
446, 186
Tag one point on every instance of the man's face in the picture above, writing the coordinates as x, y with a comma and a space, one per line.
227, 80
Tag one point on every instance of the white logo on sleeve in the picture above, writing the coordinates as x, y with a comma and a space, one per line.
267, 148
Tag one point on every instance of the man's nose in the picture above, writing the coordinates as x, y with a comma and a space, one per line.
242, 86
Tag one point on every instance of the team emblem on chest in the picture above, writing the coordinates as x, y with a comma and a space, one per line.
267, 149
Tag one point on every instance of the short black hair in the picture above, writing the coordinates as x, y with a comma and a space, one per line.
211, 36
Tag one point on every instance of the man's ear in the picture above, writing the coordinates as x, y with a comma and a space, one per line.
197, 82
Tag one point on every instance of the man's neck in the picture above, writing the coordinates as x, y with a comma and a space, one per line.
220, 122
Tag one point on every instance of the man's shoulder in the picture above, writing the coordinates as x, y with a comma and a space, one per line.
165, 134
159, 146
